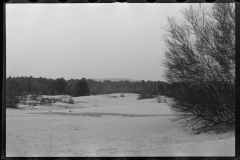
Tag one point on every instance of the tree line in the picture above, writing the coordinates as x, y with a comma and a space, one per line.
20, 86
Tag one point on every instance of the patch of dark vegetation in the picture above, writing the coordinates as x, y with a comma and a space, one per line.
38, 100
161, 99
145, 96
113, 96
70, 101
12, 103
11, 106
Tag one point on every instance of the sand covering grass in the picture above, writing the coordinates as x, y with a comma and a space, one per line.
121, 126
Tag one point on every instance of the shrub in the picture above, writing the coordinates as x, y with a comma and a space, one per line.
10, 103
24, 103
10, 106
122, 95
160, 99
70, 101
16, 100
81, 88
145, 96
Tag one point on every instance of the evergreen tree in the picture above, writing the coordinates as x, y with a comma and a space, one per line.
59, 86
81, 88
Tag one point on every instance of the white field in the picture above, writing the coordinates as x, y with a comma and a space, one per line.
106, 126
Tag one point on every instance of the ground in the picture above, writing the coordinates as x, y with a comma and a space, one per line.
105, 125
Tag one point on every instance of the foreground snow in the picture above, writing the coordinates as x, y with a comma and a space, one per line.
108, 126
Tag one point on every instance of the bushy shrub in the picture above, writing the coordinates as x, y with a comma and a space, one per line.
122, 95
10, 103
16, 100
70, 101
161, 99
111, 96
145, 96
81, 88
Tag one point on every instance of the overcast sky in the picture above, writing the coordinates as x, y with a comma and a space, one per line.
87, 40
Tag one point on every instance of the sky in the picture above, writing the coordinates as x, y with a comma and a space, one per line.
87, 40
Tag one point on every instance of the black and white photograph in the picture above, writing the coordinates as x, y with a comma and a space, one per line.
120, 79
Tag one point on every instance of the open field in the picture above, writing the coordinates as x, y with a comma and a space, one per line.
107, 125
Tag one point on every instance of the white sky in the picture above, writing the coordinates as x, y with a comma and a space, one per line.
87, 40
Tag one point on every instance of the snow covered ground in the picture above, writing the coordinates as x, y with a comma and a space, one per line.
104, 125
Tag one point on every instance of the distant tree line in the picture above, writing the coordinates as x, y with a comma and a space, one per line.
20, 86
108, 87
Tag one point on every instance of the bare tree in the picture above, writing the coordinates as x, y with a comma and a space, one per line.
200, 56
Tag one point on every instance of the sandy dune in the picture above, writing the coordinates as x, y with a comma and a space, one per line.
107, 126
